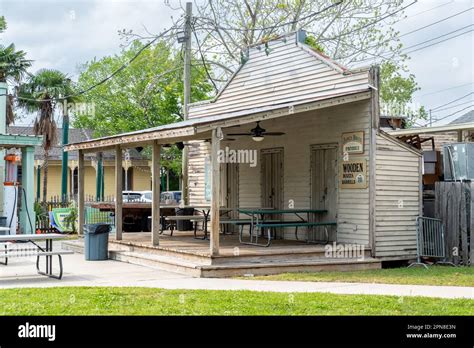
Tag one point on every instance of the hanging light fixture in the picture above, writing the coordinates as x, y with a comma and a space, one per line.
258, 137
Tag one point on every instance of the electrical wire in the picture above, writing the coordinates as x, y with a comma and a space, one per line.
371, 23
109, 77
269, 27
439, 21
453, 101
454, 113
447, 89
423, 42
203, 59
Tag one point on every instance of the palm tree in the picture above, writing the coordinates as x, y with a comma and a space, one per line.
13, 66
41, 94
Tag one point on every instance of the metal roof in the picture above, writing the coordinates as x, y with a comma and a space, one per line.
467, 117
283, 71
437, 129
279, 78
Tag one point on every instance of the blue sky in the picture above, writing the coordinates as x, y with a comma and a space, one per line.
63, 34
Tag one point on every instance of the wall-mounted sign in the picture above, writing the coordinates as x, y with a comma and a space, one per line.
353, 142
353, 174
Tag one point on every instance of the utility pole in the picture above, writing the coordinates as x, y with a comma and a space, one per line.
64, 164
187, 95
431, 119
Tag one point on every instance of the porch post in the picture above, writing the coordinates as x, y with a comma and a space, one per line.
80, 191
215, 192
155, 189
118, 193
27, 213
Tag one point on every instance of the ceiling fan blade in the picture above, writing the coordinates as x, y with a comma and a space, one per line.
273, 133
238, 134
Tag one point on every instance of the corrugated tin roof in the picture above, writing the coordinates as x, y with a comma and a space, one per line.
289, 73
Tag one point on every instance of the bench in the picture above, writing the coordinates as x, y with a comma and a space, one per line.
295, 224
194, 218
8, 252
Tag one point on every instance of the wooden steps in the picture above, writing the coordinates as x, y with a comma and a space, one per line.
229, 266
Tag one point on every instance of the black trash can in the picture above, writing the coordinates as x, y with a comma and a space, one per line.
96, 242
184, 225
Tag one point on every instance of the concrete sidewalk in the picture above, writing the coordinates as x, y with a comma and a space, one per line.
78, 272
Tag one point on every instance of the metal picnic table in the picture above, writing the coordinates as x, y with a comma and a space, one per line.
37, 250
258, 221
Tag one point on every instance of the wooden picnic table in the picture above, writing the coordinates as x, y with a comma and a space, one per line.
258, 221
38, 250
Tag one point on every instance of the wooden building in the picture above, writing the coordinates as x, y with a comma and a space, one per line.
326, 150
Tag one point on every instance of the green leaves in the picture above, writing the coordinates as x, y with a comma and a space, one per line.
13, 63
148, 93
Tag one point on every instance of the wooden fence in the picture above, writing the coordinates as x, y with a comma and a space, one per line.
454, 205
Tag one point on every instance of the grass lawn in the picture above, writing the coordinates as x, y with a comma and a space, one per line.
149, 301
435, 275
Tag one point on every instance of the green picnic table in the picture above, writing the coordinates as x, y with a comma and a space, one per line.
258, 221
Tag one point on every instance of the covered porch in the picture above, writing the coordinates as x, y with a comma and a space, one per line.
213, 132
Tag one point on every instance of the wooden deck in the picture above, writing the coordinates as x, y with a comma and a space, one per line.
183, 254
184, 242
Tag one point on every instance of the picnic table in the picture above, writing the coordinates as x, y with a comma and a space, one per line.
259, 222
35, 250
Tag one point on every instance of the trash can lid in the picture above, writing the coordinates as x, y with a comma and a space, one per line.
97, 228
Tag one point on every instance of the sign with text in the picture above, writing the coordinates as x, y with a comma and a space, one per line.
353, 142
354, 174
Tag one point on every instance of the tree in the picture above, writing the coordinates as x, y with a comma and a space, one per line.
148, 93
3, 24
13, 67
347, 31
396, 93
41, 94
353, 33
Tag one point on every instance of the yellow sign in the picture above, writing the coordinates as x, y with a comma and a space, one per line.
353, 142
354, 174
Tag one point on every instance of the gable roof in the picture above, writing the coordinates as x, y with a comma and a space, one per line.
281, 72
466, 118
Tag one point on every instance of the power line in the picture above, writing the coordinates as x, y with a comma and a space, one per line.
453, 101
372, 23
439, 21
272, 26
431, 9
454, 113
455, 106
104, 80
446, 89
204, 60
423, 42
435, 43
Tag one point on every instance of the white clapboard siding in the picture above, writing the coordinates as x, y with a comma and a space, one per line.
324, 126
398, 178
292, 72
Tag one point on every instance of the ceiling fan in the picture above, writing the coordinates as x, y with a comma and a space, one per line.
258, 133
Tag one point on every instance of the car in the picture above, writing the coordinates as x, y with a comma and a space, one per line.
133, 196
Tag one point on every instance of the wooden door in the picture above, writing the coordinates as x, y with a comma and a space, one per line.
324, 186
272, 179
230, 191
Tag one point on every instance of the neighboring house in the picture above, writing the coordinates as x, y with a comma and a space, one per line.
138, 174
